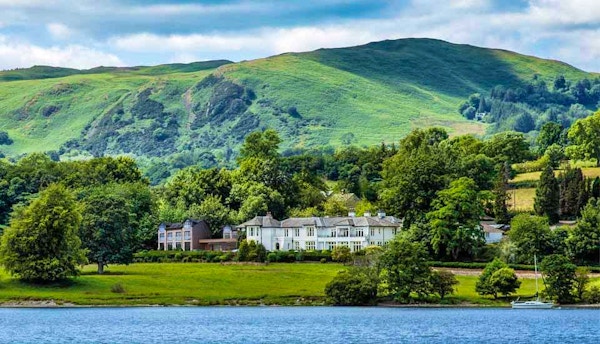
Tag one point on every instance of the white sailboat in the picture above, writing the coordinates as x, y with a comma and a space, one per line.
533, 304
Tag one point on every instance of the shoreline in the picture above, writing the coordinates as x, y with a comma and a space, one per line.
51, 304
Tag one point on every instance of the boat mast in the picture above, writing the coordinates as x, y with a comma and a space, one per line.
535, 269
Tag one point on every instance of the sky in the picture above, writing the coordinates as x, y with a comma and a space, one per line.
90, 33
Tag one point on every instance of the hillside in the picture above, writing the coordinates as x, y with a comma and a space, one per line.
177, 115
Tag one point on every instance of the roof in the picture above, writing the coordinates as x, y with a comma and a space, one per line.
266, 221
179, 225
296, 222
493, 227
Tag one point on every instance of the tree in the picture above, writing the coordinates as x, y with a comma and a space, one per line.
262, 145
550, 134
405, 268
510, 147
573, 192
106, 229
584, 134
505, 281
547, 196
41, 243
341, 254
584, 239
455, 219
354, 287
559, 277
443, 282
483, 286
501, 196
213, 212
582, 279
243, 251
531, 236
335, 207
5, 139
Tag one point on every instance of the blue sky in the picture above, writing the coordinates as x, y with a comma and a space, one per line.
85, 33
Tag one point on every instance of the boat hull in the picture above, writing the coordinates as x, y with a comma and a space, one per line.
532, 305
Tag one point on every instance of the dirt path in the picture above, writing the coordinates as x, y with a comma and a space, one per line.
477, 272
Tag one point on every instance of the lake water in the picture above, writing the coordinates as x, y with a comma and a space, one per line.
297, 325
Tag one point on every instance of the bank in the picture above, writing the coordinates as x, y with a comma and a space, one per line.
204, 284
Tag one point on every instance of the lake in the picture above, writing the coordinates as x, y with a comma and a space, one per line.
297, 325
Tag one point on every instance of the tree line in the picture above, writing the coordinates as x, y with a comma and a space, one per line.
441, 186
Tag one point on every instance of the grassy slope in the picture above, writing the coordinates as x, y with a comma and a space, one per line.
378, 92
176, 283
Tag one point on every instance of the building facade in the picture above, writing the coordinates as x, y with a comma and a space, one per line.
184, 236
322, 233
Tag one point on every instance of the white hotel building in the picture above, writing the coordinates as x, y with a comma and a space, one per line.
322, 233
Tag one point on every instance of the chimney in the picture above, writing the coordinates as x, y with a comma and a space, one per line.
269, 214
367, 214
351, 214
380, 214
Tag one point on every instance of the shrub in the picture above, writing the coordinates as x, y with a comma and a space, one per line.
341, 254
117, 288
349, 288
443, 282
323, 260
592, 296
497, 278
272, 257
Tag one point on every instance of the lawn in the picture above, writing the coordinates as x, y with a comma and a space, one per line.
209, 284
589, 172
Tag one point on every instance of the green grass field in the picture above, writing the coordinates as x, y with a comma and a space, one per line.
208, 284
589, 172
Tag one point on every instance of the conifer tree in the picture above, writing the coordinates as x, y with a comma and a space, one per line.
574, 192
547, 196
501, 196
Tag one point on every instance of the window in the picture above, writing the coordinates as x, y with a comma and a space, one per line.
378, 230
359, 232
310, 231
343, 232
161, 246
330, 245
395, 231
372, 231
379, 243
297, 232
310, 245
177, 235
169, 246
333, 233
345, 243
297, 245
162, 236
188, 246
178, 246
357, 246
187, 235
170, 236
287, 232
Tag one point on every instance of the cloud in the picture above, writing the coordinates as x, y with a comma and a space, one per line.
17, 55
59, 31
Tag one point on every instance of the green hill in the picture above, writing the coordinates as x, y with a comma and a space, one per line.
199, 113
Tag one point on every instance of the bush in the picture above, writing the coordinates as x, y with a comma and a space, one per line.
117, 288
341, 254
323, 260
496, 279
272, 257
349, 288
443, 282
592, 296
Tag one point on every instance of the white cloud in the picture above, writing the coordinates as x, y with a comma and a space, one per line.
17, 54
59, 31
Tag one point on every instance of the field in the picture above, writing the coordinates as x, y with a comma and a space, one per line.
207, 284
522, 199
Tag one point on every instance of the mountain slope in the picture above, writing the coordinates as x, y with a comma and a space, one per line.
190, 114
